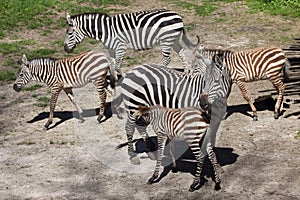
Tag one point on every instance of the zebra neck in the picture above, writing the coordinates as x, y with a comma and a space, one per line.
99, 28
42, 70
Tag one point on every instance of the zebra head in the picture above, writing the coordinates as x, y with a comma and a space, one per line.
24, 75
73, 35
217, 81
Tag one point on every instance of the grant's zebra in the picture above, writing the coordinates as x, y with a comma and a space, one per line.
139, 31
190, 124
66, 73
252, 65
150, 85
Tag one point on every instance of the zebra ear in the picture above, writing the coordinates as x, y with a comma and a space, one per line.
69, 20
24, 59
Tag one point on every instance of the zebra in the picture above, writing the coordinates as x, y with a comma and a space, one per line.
252, 65
65, 74
190, 124
153, 84
138, 31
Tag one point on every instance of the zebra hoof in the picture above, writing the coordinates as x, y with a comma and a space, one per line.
276, 115
194, 186
135, 160
174, 170
46, 127
99, 119
218, 186
152, 179
255, 118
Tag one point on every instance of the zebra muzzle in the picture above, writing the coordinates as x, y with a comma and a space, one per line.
67, 49
17, 88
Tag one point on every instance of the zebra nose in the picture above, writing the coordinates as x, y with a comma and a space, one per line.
67, 49
16, 88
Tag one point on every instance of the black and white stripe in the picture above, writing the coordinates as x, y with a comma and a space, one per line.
150, 85
252, 65
139, 31
67, 73
189, 124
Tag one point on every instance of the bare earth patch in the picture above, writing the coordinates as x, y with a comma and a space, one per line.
76, 160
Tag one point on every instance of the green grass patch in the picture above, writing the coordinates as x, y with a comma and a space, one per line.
42, 102
38, 53
276, 7
297, 136
204, 9
33, 14
14, 47
7, 76
32, 88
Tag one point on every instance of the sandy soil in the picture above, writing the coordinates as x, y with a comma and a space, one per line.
75, 160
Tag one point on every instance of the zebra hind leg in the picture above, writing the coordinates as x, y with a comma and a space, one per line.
279, 85
244, 91
161, 140
196, 182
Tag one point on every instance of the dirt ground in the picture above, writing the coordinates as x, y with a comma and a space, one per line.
75, 160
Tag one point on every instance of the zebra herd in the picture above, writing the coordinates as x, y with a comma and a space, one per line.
188, 105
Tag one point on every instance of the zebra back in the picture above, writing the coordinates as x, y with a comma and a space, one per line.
178, 123
252, 64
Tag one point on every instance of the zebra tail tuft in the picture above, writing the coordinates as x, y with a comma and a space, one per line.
125, 144
286, 71
188, 43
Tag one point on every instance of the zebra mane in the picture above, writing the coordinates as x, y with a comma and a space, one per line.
44, 60
219, 50
89, 13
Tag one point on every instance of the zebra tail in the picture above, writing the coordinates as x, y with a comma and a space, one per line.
125, 144
286, 71
187, 42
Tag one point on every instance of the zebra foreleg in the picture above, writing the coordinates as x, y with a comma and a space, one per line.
244, 91
172, 153
120, 53
70, 94
55, 90
161, 140
129, 128
166, 56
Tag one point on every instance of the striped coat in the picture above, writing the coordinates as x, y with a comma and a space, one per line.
252, 65
139, 31
190, 124
65, 74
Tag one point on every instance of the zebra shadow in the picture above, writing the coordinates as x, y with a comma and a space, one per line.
185, 159
262, 103
67, 115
